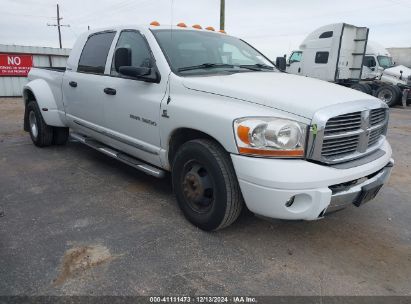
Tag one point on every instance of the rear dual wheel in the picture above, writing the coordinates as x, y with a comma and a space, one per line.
205, 185
42, 134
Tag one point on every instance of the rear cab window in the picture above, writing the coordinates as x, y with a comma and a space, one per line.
94, 55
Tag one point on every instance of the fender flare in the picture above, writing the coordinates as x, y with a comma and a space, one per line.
40, 90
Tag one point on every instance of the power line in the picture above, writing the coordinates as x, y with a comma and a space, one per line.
58, 25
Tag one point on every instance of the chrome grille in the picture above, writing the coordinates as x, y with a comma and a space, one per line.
377, 116
342, 132
339, 146
343, 123
375, 136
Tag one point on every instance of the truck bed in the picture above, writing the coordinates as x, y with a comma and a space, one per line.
55, 69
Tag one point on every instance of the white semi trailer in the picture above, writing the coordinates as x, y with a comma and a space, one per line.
340, 53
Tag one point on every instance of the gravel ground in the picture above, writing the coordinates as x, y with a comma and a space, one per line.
76, 222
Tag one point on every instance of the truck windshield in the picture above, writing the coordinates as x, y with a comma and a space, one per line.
385, 62
198, 52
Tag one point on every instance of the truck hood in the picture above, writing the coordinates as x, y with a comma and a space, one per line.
299, 95
395, 71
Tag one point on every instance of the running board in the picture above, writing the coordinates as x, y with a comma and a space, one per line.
129, 160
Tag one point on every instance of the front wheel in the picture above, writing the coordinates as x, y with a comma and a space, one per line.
206, 185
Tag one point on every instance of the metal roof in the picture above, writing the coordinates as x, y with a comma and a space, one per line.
21, 49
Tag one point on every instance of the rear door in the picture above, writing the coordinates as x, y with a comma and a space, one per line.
84, 88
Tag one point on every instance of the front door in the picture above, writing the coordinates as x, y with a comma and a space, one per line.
294, 63
369, 68
132, 114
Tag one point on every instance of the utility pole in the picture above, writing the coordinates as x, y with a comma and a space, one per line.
58, 25
222, 14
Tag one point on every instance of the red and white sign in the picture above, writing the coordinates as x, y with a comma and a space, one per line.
15, 65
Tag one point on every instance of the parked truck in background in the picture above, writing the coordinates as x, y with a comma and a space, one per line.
341, 53
214, 112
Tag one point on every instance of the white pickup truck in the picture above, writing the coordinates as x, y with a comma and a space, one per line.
217, 114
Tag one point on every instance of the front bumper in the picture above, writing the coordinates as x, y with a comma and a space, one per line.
268, 184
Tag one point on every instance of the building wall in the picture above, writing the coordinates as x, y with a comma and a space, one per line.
401, 56
42, 57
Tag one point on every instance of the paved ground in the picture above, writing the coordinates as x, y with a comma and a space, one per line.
78, 222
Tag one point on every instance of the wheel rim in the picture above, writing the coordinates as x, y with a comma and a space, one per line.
33, 124
385, 95
197, 187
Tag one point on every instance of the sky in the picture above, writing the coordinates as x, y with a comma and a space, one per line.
275, 27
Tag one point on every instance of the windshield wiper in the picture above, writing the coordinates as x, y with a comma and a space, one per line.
257, 66
206, 66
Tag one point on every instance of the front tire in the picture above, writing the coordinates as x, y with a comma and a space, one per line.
205, 184
40, 133
389, 94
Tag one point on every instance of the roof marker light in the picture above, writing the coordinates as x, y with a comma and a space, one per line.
197, 26
155, 23
210, 28
223, 31
181, 24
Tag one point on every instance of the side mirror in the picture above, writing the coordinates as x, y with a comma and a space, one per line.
122, 58
372, 69
281, 63
140, 73
134, 72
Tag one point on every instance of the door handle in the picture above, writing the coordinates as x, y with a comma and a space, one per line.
110, 91
299, 70
73, 84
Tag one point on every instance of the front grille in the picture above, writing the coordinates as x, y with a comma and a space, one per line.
377, 116
351, 135
375, 136
340, 146
343, 123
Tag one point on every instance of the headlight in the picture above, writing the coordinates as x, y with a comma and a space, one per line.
266, 136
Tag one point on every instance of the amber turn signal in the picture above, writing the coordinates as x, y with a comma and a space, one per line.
242, 133
278, 153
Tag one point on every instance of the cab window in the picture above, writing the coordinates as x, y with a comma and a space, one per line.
295, 57
140, 52
328, 34
321, 57
94, 55
369, 61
